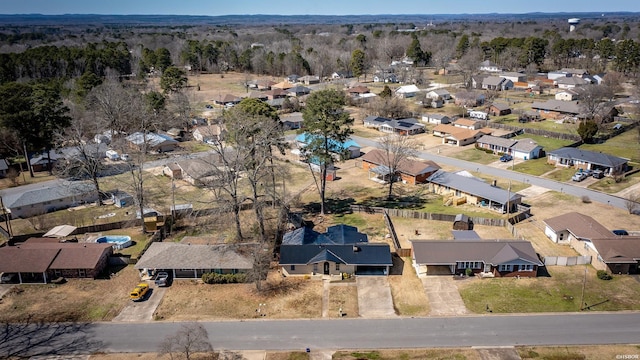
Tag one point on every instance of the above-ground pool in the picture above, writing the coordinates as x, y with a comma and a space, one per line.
118, 241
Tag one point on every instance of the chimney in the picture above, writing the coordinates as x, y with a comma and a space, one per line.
494, 183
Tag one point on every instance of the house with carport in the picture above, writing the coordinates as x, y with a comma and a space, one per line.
410, 171
341, 249
459, 189
573, 227
409, 126
51, 197
457, 136
486, 258
576, 158
191, 261
524, 149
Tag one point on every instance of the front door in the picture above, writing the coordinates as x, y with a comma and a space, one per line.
326, 268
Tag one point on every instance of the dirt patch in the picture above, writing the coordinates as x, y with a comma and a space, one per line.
579, 352
282, 298
343, 296
76, 300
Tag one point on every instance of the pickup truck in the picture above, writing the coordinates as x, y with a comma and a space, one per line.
162, 278
139, 292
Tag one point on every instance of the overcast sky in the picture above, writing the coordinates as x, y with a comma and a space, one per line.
312, 7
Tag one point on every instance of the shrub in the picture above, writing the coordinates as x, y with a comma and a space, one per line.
603, 275
215, 278
469, 272
585, 199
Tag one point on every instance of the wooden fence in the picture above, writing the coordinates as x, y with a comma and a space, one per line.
541, 132
412, 214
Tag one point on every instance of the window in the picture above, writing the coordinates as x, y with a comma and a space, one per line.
82, 273
57, 273
292, 268
315, 267
505, 268
526, 267
337, 267
469, 265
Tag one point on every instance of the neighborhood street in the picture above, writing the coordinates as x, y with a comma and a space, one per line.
462, 331
512, 175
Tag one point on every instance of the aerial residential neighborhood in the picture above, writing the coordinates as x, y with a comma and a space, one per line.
316, 186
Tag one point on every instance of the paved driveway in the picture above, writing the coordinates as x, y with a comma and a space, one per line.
142, 310
443, 295
374, 297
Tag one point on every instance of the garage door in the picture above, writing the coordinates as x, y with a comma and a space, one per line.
370, 270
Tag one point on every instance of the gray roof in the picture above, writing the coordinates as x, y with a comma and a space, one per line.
438, 116
361, 254
501, 106
495, 140
494, 252
493, 80
473, 186
170, 255
465, 235
569, 107
589, 156
525, 145
153, 139
336, 235
4, 165
572, 80
51, 193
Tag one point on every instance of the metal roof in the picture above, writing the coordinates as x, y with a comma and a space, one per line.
473, 186
494, 252
592, 157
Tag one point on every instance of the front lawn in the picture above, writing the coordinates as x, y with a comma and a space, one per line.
560, 292
547, 143
476, 156
625, 145
609, 185
562, 174
534, 167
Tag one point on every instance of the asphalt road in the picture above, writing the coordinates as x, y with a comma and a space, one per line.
513, 175
464, 331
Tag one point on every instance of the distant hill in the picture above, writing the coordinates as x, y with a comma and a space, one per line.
186, 20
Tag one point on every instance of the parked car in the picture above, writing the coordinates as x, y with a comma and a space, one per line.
579, 176
139, 292
506, 157
620, 232
598, 174
586, 171
162, 278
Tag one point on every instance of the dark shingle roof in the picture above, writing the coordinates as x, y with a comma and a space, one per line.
336, 235
366, 254
494, 252
592, 157
473, 186
495, 140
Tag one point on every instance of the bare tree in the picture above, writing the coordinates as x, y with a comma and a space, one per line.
389, 107
396, 151
189, 340
632, 203
595, 101
469, 64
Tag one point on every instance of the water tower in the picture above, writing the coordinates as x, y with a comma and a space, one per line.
573, 23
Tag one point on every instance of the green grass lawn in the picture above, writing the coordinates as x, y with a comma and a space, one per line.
560, 292
547, 143
549, 125
534, 167
625, 145
562, 174
476, 156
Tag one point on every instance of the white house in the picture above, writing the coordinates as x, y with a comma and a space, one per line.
407, 91
439, 93
489, 66
514, 76
436, 119
209, 133
571, 82
567, 95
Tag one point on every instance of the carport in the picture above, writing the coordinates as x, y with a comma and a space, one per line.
372, 270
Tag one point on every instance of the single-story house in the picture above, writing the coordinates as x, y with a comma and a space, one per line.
514, 76
497, 83
518, 148
470, 124
258, 95
409, 170
40, 162
309, 79
385, 77
298, 91
436, 119
408, 126
187, 261
342, 249
489, 66
39, 262
155, 142
571, 82
293, 78
292, 121
358, 91
277, 103
476, 80
53, 197
226, 98
587, 160
567, 95
283, 85
458, 136
264, 84
495, 258
562, 229
473, 191
349, 147
439, 94
477, 114
276, 94
209, 133
499, 109
121, 198
197, 171
619, 255
557, 107
342, 74
407, 91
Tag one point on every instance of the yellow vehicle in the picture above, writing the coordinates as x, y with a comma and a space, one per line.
139, 292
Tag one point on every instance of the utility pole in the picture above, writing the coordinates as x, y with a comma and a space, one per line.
173, 204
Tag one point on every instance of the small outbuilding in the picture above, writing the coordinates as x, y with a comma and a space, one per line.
462, 222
